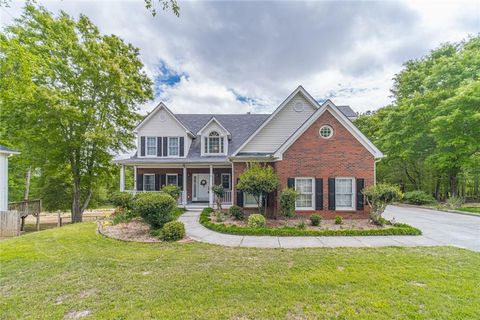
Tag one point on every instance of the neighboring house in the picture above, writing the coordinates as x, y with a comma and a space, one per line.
313, 148
4, 154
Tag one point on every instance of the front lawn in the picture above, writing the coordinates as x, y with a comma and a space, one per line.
470, 209
72, 271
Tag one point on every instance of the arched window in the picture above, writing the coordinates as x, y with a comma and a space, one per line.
214, 143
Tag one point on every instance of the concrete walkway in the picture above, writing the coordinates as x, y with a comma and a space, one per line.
199, 233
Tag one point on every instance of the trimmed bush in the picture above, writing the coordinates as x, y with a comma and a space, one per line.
173, 231
418, 197
122, 200
256, 221
236, 212
287, 202
338, 220
315, 219
155, 208
173, 190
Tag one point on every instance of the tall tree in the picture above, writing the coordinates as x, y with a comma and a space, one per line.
70, 94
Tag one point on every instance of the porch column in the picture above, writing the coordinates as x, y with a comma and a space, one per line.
135, 178
210, 192
122, 178
184, 193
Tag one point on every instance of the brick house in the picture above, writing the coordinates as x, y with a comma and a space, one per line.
313, 148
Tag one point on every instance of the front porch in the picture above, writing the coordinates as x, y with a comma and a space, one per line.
195, 181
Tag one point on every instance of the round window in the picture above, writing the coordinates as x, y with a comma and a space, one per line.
298, 106
326, 132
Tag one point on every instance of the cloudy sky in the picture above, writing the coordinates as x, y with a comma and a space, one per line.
234, 57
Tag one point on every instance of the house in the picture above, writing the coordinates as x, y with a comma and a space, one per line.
5, 153
313, 148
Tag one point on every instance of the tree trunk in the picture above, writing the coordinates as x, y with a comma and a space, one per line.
437, 189
76, 207
453, 186
28, 176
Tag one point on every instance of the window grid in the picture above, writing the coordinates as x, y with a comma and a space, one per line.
173, 148
326, 132
151, 146
249, 200
344, 193
304, 187
172, 179
149, 182
214, 143
226, 181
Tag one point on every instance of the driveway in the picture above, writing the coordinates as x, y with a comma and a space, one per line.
443, 227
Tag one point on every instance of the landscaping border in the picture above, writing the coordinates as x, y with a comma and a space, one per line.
398, 230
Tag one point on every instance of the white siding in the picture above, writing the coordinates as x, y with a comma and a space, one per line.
281, 127
162, 124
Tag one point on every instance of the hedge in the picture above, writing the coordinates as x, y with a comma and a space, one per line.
399, 229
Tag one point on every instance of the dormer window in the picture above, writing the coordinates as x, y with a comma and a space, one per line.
214, 143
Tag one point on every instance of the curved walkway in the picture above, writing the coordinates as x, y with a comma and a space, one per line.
199, 233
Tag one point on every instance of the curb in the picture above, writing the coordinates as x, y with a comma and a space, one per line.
435, 209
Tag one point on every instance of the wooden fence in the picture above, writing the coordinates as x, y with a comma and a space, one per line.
9, 223
26, 207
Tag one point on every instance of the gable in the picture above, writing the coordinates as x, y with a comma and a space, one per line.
281, 125
161, 123
213, 125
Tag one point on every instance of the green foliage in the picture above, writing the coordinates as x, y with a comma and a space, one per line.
418, 197
258, 181
315, 219
173, 231
218, 192
173, 190
155, 208
397, 229
338, 220
219, 216
455, 202
236, 212
165, 4
288, 197
122, 200
256, 221
302, 225
123, 216
379, 196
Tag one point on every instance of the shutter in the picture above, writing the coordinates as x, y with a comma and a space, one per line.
159, 146
165, 146
319, 194
142, 146
180, 181
360, 197
163, 180
240, 198
331, 193
291, 183
139, 182
181, 146
157, 182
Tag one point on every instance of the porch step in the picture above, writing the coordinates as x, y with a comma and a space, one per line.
195, 207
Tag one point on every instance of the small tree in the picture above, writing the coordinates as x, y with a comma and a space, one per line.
378, 197
258, 181
287, 202
218, 192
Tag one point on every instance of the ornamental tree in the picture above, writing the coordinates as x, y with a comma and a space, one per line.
378, 197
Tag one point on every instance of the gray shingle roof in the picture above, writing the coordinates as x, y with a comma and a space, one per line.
347, 111
4, 149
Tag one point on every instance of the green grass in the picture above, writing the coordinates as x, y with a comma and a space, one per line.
49, 274
470, 209
397, 229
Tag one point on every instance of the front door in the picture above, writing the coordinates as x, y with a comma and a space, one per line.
201, 186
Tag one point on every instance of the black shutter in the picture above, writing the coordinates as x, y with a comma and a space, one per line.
331, 193
142, 146
157, 182
159, 146
291, 183
319, 194
163, 180
240, 198
165, 146
181, 144
360, 198
180, 181
139, 182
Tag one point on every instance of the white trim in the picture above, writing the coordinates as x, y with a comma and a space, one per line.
245, 205
178, 147
329, 106
299, 89
208, 154
172, 175
313, 194
146, 147
229, 180
143, 182
354, 194
195, 194
327, 126
218, 122
160, 106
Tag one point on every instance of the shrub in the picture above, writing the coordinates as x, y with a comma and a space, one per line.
123, 217
155, 208
219, 216
338, 220
208, 210
123, 200
455, 202
173, 231
287, 202
236, 212
173, 190
379, 196
302, 225
256, 221
418, 197
315, 219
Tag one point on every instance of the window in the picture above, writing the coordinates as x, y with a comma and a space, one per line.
151, 146
149, 182
226, 181
214, 143
249, 201
172, 179
173, 147
304, 187
344, 191
326, 132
